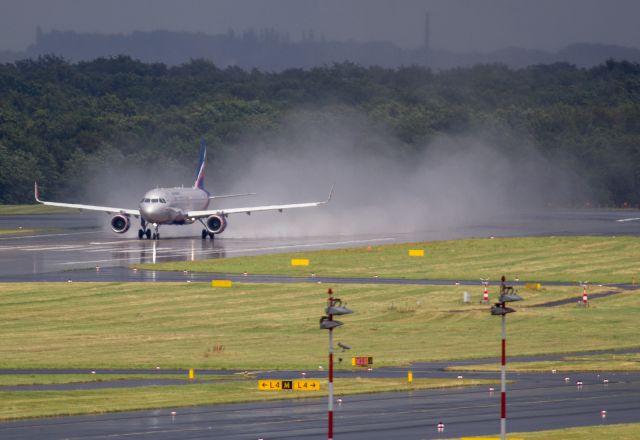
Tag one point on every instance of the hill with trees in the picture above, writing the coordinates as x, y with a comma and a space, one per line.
271, 50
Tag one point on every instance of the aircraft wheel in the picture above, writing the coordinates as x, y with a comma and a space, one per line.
204, 234
212, 235
140, 234
148, 233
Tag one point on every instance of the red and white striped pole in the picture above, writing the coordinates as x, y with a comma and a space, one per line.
330, 431
485, 295
503, 382
585, 297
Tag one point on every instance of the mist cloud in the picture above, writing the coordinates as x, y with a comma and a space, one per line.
381, 185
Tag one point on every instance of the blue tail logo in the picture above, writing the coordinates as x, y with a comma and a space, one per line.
201, 162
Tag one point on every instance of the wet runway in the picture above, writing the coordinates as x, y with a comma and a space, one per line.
535, 402
78, 242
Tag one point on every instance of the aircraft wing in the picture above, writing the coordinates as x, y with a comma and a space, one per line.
632, 219
249, 210
107, 209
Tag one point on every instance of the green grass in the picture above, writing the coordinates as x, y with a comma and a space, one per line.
48, 379
627, 431
32, 209
24, 404
20, 231
592, 363
597, 259
258, 327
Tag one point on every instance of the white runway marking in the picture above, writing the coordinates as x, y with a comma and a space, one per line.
182, 252
47, 235
65, 247
123, 241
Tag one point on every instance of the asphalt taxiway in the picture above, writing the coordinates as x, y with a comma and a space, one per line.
535, 401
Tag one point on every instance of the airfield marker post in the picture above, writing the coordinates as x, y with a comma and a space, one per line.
330, 414
334, 307
503, 381
507, 294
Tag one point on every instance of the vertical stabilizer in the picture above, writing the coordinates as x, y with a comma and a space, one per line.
201, 162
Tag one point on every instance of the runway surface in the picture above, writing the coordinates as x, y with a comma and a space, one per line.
535, 402
78, 242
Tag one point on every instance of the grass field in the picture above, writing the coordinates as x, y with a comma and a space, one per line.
48, 379
32, 209
629, 431
258, 327
24, 404
20, 231
592, 363
597, 259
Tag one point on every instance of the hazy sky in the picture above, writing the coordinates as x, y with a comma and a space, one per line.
459, 25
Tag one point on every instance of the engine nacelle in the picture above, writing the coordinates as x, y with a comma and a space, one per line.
120, 223
216, 223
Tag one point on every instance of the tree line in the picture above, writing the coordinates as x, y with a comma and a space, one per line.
61, 120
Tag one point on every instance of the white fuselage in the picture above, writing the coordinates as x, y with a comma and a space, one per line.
171, 205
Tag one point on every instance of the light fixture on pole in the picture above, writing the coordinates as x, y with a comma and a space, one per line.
334, 307
507, 294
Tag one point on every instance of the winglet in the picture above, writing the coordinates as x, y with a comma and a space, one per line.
35, 192
330, 194
199, 183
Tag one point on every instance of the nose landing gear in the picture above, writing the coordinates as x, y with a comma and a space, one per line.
156, 234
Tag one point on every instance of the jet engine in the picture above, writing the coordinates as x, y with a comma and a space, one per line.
120, 223
216, 223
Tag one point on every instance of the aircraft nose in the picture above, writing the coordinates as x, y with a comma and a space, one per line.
154, 213
148, 211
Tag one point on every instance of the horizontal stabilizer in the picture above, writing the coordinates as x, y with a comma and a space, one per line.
249, 210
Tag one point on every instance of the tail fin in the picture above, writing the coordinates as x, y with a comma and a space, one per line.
199, 183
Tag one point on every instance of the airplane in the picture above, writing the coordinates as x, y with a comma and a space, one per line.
178, 206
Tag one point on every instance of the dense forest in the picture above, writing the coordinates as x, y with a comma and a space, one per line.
59, 121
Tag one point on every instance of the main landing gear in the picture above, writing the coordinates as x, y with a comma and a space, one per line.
206, 232
146, 232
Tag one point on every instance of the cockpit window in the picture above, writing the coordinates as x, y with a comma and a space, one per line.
154, 200
147, 200
163, 201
